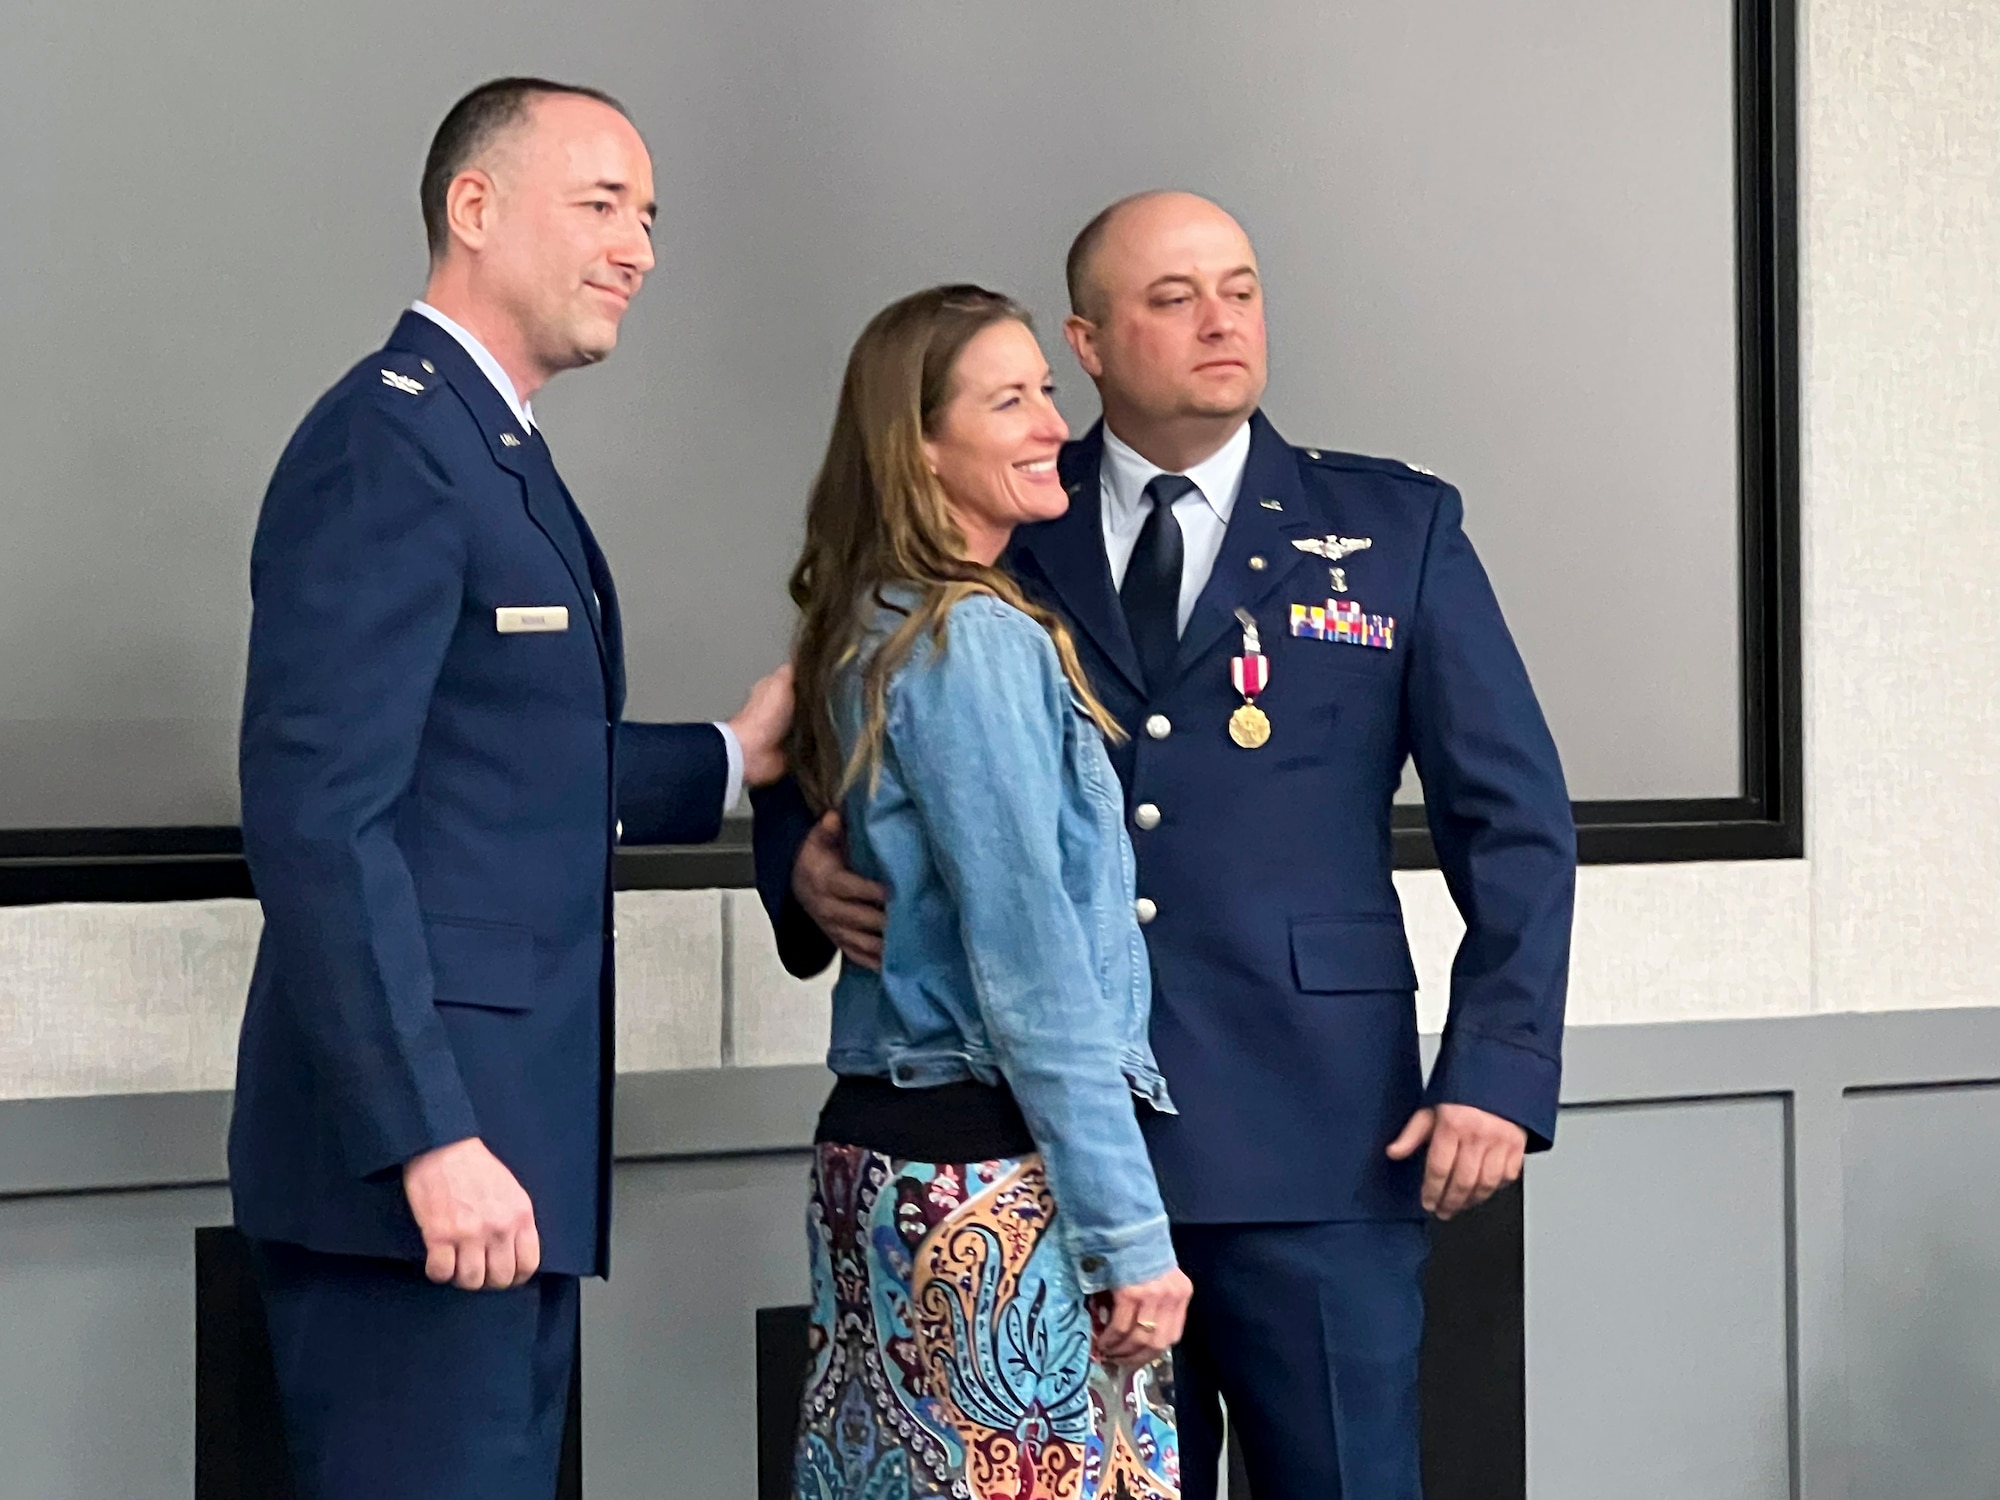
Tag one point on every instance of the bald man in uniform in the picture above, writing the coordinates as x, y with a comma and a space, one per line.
1279, 629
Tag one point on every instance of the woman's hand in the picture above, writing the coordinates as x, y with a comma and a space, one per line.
1137, 1324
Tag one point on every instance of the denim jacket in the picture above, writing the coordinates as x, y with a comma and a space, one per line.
1012, 951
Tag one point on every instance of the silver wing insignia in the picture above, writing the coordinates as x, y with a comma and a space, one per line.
1334, 548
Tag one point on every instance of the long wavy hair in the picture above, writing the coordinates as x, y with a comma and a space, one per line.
878, 518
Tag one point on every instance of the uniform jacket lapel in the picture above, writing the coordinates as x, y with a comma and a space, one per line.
609, 618
1257, 529
516, 452
1068, 555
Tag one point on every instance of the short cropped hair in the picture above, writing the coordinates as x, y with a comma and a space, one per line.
1084, 294
1086, 297
470, 129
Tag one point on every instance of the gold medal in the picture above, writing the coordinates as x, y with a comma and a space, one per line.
1249, 674
1250, 727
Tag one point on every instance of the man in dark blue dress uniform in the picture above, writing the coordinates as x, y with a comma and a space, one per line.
434, 772
1279, 630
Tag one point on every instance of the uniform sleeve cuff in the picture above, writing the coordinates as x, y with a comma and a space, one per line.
377, 1152
1513, 1082
732, 747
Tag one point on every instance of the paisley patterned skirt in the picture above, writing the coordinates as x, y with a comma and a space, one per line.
951, 1346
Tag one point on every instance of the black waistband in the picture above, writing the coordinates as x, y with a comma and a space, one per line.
952, 1122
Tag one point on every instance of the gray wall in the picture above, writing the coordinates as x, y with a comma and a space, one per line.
1657, 1357
1922, 1223
1763, 1262
1499, 242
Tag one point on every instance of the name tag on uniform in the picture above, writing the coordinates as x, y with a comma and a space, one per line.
537, 620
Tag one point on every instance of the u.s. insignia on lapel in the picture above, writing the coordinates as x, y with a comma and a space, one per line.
508, 440
1341, 620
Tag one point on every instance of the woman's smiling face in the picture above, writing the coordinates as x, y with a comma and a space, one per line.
995, 441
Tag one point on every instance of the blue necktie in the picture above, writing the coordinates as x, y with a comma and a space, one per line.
1151, 592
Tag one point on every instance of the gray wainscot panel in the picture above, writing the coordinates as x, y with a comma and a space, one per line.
1923, 1291
1740, 1219
701, 1246
1658, 1353
97, 1332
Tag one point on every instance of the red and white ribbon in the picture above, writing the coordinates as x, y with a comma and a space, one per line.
1250, 673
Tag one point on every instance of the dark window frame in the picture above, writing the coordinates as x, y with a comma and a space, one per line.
1766, 822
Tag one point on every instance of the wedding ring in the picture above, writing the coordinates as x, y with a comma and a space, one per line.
1149, 1327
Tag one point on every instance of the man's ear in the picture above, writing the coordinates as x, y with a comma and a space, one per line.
1081, 336
469, 204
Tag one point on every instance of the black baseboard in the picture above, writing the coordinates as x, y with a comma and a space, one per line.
239, 1435
782, 1364
1475, 1378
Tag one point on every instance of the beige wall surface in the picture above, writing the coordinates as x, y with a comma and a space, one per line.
1901, 176
1897, 905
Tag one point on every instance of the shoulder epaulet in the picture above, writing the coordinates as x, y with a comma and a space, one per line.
1395, 467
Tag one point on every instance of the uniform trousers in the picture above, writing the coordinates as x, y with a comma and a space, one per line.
1309, 1334
394, 1388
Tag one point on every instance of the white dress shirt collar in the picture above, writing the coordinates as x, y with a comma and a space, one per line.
1203, 514
489, 366
1218, 477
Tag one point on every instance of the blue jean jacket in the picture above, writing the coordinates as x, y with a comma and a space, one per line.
1012, 951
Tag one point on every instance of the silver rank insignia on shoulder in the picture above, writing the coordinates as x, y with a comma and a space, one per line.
1419, 468
508, 440
1334, 548
402, 383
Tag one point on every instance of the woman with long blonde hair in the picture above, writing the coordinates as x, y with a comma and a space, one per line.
995, 1288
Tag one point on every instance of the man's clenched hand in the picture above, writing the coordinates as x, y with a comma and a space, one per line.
476, 1220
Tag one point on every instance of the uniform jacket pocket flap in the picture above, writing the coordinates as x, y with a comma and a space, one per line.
1333, 954
481, 963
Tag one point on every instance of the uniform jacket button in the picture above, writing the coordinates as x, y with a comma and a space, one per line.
1090, 1263
1146, 815
1159, 726
1145, 910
